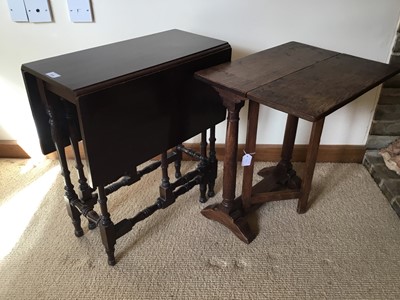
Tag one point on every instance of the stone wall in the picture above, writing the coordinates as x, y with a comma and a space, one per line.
385, 129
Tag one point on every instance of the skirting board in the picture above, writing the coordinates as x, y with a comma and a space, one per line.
11, 149
327, 153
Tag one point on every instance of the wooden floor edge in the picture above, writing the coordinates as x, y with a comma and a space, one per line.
327, 153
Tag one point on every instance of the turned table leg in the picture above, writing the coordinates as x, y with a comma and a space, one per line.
70, 195
73, 129
107, 229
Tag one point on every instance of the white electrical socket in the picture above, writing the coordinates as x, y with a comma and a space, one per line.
38, 11
80, 11
17, 10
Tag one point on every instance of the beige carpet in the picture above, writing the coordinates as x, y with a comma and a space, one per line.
347, 246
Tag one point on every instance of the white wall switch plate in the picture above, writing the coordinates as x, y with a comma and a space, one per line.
17, 10
80, 11
38, 11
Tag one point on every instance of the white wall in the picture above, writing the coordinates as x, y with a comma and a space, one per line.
365, 28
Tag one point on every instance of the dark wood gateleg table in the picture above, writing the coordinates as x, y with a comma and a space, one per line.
128, 102
301, 80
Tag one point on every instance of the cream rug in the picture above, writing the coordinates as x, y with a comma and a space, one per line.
347, 246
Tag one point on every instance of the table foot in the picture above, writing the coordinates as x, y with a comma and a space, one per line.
92, 225
302, 209
280, 176
111, 258
234, 221
78, 232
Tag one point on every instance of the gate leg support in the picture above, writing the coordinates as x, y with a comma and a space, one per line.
202, 166
213, 167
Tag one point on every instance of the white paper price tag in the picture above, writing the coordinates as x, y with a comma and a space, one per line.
53, 74
246, 160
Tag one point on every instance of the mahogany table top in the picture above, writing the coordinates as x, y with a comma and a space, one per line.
88, 70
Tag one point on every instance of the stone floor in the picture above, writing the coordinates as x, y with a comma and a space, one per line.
387, 180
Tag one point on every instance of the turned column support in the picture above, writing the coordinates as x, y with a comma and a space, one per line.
230, 157
229, 212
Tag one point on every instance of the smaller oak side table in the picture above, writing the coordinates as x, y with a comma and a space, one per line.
301, 80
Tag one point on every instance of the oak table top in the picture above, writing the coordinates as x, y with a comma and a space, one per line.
297, 78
